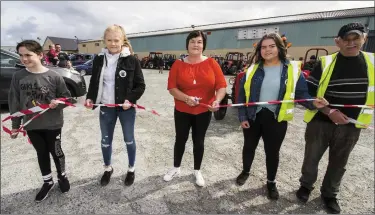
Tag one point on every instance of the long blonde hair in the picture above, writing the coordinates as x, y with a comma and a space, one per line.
127, 44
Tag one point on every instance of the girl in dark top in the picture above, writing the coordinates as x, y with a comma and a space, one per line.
116, 78
44, 131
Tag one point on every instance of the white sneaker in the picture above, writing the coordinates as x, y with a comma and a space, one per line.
199, 178
175, 171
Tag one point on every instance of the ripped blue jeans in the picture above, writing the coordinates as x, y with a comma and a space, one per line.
108, 118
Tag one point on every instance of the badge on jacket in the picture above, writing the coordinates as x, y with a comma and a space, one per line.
122, 73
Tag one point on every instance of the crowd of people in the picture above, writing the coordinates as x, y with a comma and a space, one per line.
344, 77
56, 57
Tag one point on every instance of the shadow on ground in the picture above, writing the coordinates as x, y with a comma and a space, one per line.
153, 195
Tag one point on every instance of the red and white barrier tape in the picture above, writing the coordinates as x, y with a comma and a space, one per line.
36, 109
298, 100
133, 105
261, 103
289, 101
359, 123
45, 107
353, 106
21, 129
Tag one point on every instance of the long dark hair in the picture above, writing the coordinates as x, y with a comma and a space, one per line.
257, 57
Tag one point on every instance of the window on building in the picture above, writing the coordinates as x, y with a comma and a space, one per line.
83, 45
96, 44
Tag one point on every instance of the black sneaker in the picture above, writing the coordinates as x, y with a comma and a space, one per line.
272, 191
43, 193
106, 177
64, 184
331, 204
129, 180
303, 194
241, 179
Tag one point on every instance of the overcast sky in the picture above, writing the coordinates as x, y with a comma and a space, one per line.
87, 20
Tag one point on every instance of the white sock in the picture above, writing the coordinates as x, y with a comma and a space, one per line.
107, 168
131, 169
271, 181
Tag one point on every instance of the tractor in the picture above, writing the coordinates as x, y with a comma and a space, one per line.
233, 63
219, 60
151, 61
307, 66
169, 59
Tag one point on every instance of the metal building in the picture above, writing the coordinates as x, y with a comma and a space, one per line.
304, 31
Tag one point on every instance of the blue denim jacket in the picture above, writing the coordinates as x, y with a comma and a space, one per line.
249, 113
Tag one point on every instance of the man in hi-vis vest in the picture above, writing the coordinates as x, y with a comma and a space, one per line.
345, 77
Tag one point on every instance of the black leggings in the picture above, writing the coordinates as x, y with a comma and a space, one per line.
199, 124
272, 133
46, 142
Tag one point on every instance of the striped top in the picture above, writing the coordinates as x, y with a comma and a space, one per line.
348, 84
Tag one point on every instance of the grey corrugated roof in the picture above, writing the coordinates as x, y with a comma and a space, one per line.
356, 12
67, 44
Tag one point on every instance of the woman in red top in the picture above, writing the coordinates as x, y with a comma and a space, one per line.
191, 80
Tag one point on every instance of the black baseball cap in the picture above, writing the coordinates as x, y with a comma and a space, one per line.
351, 28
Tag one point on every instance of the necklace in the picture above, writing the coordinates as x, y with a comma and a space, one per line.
193, 74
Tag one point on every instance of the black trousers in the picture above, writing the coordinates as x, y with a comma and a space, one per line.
272, 133
48, 142
199, 125
340, 141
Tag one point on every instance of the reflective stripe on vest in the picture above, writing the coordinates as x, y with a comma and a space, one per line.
328, 64
286, 109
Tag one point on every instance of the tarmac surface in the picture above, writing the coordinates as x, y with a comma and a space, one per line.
222, 162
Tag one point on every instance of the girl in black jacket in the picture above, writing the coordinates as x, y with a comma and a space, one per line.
116, 78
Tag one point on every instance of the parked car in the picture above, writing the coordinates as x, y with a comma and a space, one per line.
84, 69
78, 59
10, 63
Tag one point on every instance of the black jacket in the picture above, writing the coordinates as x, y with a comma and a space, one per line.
131, 87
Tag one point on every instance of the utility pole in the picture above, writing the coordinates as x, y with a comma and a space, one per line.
77, 43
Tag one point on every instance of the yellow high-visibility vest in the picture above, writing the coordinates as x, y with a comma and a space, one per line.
286, 109
328, 64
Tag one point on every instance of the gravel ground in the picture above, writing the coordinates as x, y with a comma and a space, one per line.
21, 180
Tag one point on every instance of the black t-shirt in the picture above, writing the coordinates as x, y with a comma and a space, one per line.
348, 84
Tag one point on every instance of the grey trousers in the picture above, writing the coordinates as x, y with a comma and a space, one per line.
340, 139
